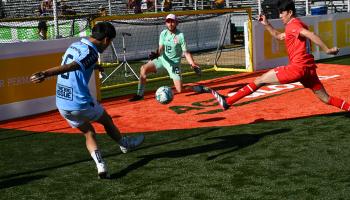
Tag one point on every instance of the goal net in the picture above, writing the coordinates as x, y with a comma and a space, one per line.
216, 39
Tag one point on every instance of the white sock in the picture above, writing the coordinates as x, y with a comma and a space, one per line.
96, 155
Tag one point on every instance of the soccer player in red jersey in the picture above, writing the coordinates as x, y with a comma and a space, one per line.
301, 65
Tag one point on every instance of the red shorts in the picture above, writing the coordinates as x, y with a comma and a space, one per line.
306, 76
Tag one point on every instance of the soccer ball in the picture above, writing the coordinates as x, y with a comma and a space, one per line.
164, 95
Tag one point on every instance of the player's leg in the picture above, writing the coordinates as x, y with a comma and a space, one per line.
269, 77
311, 80
126, 143
80, 119
331, 100
91, 145
147, 68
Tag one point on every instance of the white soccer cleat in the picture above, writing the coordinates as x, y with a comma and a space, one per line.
129, 143
102, 171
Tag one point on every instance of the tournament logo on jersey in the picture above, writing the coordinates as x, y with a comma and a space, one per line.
176, 40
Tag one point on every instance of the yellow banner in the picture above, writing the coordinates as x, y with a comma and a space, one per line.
343, 32
325, 31
15, 85
274, 48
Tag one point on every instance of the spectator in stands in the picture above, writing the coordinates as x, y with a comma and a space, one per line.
150, 5
219, 4
42, 30
136, 5
45, 7
66, 9
102, 11
167, 5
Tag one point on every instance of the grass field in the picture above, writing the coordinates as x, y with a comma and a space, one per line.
304, 158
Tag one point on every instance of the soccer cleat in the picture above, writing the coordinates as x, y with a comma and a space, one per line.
201, 89
136, 98
102, 171
220, 99
130, 143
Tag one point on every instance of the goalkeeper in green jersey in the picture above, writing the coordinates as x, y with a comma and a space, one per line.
172, 46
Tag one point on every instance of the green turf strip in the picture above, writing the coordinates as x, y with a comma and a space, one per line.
295, 159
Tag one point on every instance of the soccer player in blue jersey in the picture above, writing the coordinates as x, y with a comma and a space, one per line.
172, 45
73, 98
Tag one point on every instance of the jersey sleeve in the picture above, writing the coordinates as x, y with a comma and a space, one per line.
162, 38
87, 58
183, 42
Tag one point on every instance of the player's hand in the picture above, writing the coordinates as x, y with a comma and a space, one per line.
263, 20
153, 55
333, 51
197, 69
37, 77
281, 36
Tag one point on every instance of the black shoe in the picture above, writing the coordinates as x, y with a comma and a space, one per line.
103, 175
220, 99
136, 98
201, 89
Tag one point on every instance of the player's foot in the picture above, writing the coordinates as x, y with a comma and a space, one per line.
136, 98
201, 89
220, 99
128, 143
102, 171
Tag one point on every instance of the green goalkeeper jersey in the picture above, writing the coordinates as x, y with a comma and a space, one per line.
174, 45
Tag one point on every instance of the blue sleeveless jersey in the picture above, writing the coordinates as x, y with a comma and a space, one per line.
72, 90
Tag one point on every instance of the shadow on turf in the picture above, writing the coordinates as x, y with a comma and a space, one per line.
19, 181
105, 156
231, 142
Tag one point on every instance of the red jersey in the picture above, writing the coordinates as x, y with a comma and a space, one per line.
298, 47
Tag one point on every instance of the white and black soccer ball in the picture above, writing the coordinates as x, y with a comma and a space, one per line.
164, 95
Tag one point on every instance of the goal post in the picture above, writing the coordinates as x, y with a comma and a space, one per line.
218, 40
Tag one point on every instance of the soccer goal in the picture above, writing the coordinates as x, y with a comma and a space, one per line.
217, 39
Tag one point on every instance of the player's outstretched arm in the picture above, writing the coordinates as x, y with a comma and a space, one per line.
190, 60
273, 32
317, 40
40, 76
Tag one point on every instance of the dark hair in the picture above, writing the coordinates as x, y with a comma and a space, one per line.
286, 5
103, 30
42, 25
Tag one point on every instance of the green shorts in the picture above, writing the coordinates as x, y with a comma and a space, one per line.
174, 69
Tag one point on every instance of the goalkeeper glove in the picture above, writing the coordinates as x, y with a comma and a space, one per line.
197, 70
153, 55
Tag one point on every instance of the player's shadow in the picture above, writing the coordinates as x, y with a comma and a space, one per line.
230, 142
19, 181
234, 88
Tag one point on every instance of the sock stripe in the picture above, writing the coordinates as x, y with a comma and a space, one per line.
250, 88
342, 105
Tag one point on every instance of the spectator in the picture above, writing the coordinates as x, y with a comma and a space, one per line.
136, 5
42, 30
219, 4
150, 5
45, 7
66, 9
167, 5
102, 11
